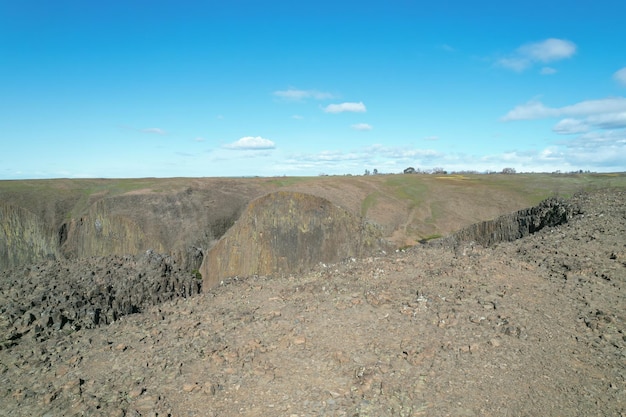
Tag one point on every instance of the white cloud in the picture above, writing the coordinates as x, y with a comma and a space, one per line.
297, 117
548, 50
362, 126
545, 51
604, 149
199, 139
346, 107
609, 120
620, 76
515, 64
570, 126
297, 95
383, 158
609, 153
251, 143
531, 110
537, 110
155, 130
548, 71
600, 129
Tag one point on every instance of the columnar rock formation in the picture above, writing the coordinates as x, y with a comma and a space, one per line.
513, 226
23, 237
287, 232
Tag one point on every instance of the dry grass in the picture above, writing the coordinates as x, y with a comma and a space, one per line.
409, 207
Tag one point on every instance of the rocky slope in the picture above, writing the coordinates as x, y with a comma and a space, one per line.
61, 296
524, 328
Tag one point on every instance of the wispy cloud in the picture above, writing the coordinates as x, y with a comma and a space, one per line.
387, 159
620, 76
362, 126
549, 50
548, 71
251, 143
570, 127
199, 139
431, 137
297, 117
298, 95
154, 130
583, 117
448, 48
346, 107
598, 127
537, 110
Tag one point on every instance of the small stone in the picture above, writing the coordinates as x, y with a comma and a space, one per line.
136, 392
145, 404
48, 398
190, 387
118, 412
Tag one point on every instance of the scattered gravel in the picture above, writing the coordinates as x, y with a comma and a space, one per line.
524, 328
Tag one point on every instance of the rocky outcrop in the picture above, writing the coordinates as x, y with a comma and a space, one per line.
24, 237
288, 232
47, 297
510, 227
182, 223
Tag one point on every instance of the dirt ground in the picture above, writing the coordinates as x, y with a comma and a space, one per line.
534, 327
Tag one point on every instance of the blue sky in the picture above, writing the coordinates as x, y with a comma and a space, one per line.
239, 88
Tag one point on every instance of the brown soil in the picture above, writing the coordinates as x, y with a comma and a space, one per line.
534, 327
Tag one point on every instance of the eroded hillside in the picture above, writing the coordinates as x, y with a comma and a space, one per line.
184, 217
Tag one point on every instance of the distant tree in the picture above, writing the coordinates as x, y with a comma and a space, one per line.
439, 171
367, 172
375, 172
409, 170
509, 171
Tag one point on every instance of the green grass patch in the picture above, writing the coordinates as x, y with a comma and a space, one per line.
369, 202
430, 237
287, 181
410, 188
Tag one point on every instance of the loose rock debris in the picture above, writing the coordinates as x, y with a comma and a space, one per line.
525, 328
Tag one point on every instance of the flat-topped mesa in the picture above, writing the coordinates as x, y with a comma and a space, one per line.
288, 232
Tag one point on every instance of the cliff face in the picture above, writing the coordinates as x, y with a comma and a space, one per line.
182, 223
509, 227
185, 217
287, 232
24, 237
